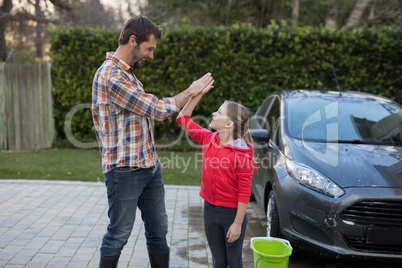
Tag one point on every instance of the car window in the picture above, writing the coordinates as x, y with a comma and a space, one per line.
274, 119
344, 119
261, 114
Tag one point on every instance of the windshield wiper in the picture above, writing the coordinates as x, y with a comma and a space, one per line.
364, 142
347, 141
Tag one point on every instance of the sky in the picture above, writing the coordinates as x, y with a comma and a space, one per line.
121, 4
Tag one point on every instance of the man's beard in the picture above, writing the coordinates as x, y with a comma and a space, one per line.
135, 62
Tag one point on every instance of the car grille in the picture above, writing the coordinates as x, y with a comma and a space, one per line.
360, 244
374, 214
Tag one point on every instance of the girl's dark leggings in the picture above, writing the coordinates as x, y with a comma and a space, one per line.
217, 221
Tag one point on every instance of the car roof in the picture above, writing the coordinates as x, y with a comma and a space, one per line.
297, 93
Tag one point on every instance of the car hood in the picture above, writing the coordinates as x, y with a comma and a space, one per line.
351, 165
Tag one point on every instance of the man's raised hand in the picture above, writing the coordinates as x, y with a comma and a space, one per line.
204, 84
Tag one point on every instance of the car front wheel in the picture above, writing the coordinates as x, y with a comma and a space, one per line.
273, 225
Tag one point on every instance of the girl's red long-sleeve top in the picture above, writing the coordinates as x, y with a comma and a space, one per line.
226, 170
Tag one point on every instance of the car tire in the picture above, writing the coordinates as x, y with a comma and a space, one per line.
252, 198
273, 224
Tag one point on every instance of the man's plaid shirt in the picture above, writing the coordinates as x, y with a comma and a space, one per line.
121, 113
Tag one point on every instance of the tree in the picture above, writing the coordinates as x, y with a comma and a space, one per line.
225, 12
88, 13
31, 18
295, 13
383, 12
5, 17
332, 13
21, 15
357, 12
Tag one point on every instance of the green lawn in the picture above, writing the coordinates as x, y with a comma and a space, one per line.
179, 168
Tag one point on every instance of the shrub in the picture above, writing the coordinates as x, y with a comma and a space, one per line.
247, 64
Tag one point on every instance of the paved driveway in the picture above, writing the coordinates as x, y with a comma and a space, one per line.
61, 224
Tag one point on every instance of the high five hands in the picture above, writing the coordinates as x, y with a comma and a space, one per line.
202, 85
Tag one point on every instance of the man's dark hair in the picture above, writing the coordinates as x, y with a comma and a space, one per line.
142, 28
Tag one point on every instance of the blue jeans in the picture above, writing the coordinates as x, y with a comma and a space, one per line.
127, 189
217, 221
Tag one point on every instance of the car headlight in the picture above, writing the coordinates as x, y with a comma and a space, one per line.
313, 180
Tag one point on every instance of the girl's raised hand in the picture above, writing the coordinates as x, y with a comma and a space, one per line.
208, 87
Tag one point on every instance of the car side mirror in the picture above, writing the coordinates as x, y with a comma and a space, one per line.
260, 135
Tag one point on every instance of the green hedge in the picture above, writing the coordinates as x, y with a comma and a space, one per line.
247, 64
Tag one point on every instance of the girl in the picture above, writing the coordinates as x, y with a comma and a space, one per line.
227, 168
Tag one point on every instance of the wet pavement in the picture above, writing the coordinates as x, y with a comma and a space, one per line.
61, 224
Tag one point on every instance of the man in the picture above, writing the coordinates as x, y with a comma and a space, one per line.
121, 113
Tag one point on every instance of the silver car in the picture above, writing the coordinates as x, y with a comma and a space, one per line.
330, 171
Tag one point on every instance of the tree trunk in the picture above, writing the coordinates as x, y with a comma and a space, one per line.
3, 48
228, 9
5, 17
38, 32
357, 12
371, 17
295, 13
262, 14
330, 18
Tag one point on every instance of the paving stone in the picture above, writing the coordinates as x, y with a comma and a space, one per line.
61, 224
52, 246
59, 262
40, 260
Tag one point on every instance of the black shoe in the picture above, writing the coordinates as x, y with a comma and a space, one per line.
108, 263
159, 259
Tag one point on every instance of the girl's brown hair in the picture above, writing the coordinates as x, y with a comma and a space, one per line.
241, 118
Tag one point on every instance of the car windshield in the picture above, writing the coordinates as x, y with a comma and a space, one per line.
343, 120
